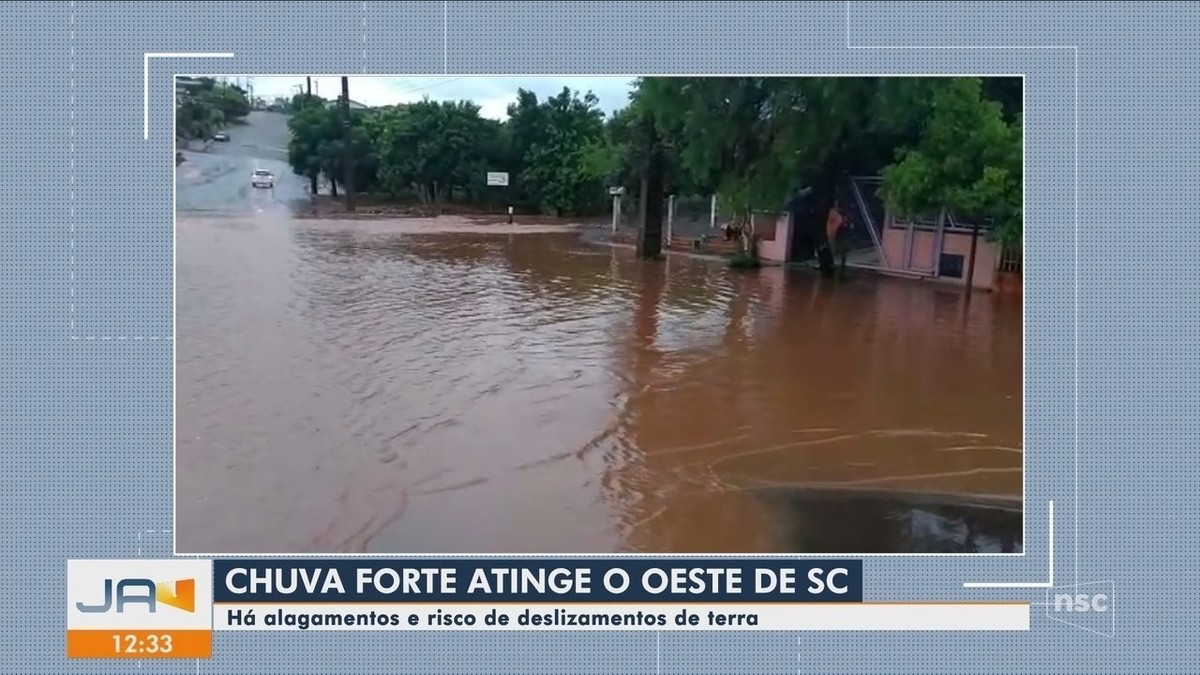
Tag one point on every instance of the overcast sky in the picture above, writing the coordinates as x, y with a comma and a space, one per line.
492, 94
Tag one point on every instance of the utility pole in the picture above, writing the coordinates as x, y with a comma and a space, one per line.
348, 156
312, 177
650, 230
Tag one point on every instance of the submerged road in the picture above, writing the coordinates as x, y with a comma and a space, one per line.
391, 386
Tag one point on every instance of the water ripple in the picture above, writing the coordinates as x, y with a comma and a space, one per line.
358, 388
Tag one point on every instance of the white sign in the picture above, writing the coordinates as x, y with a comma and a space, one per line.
616, 191
499, 178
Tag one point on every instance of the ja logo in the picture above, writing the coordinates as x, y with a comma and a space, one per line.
144, 592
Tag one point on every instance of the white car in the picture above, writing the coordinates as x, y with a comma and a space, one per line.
262, 178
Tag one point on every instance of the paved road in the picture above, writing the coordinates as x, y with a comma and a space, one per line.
218, 180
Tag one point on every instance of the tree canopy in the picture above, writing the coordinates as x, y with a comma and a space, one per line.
442, 151
208, 106
937, 142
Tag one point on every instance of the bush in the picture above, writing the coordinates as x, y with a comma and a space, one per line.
747, 255
744, 261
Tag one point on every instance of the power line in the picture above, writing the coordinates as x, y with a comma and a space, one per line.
429, 85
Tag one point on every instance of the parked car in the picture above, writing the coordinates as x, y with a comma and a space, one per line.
224, 138
262, 178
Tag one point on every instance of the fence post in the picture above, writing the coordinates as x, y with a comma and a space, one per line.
670, 218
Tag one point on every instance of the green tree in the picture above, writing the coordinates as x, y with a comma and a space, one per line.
311, 131
330, 139
231, 101
757, 141
208, 108
435, 150
195, 119
967, 159
303, 100
620, 155
555, 140
952, 142
317, 142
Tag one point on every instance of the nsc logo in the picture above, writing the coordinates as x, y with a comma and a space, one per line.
139, 607
1089, 606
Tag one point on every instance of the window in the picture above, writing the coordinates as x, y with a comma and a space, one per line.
951, 266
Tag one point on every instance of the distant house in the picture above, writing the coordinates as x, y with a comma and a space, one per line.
937, 247
185, 86
337, 102
354, 105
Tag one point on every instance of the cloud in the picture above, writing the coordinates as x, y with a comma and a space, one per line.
491, 93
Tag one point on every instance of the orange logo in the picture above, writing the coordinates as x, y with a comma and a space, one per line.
183, 596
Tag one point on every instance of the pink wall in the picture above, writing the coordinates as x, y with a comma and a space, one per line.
774, 249
987, 254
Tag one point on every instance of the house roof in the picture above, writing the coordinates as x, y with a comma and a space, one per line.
353, 104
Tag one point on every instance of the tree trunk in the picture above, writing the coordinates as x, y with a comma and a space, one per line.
650, 202
312, 183
333, 188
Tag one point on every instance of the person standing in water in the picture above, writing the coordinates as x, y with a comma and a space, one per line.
834, 223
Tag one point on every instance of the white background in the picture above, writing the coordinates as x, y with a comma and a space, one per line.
790, 617
85, 583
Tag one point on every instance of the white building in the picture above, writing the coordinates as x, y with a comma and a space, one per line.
183, 87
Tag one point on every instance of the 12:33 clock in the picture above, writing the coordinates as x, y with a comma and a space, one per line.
147, 643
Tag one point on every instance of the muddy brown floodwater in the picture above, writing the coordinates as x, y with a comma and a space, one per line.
371, 386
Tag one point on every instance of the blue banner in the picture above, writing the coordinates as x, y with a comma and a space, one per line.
536, 580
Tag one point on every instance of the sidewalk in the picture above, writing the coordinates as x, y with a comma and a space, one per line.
627, 238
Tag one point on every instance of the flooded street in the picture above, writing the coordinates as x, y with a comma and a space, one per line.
371, 386
344, 388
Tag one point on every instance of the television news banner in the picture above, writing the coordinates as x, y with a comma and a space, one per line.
142, 608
